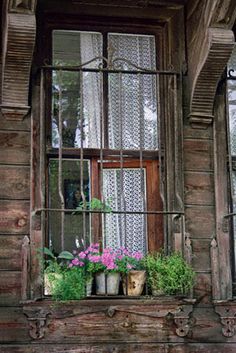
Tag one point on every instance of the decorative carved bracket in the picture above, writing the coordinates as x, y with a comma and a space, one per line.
183, 321
228, 320
219, 46
18, 46
38, 322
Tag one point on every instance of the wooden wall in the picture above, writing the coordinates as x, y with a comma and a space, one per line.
164, 325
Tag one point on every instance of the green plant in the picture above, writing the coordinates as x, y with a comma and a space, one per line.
94, 204
169, 274
55, 263
71, 285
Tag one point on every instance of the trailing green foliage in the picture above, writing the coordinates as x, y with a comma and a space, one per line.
169, 274
71, 285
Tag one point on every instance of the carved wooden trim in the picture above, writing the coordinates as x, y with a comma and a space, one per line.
38, 322
17, 57
183, 321
22, 6
228, 320
219, 46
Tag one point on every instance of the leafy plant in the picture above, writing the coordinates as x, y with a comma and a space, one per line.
54, 263
71, 285
169, 274
94, 204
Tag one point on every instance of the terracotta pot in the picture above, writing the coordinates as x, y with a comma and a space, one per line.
107, 284
135, 281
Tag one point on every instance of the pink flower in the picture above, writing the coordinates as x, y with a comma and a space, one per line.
82, 255
75, 261
129, 266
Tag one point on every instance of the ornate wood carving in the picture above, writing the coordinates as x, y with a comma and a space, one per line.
19, 38
183, 321
228, 319
219, 48
210, 44
38, 322
22, 6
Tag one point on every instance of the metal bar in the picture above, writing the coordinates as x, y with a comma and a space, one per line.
101, 155
108, 153
67, 210
61, 196
82, 157
113, 71
42, 140
141, 137
230, 215
122, 160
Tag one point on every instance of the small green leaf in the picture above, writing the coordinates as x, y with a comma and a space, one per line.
66, 255
48, 252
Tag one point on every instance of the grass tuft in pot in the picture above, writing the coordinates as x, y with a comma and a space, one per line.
170, 275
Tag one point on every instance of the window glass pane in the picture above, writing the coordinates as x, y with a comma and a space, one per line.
133, 98
71, 185
231, 84
80, 92
119, 229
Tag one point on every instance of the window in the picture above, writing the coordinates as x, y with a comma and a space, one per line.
103, 141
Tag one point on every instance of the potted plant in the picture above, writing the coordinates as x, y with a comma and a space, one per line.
107, 275
131, 267
53, 268
169, 275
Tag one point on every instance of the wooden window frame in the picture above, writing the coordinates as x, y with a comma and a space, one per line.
169, 157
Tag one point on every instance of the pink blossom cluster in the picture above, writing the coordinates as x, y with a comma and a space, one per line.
109, 259
82, 257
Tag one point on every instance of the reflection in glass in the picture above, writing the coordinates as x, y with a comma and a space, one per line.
71, 182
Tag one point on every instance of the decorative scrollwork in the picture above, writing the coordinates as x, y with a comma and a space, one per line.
38, 322
182, 320
228, 320
231, 73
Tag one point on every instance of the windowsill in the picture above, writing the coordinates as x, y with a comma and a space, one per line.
122, 300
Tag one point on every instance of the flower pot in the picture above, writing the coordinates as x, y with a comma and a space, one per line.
89, 284
134, 282
107, 283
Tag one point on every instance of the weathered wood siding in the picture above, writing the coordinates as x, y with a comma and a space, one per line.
166, 325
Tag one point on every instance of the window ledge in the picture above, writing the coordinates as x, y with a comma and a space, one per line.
45, 315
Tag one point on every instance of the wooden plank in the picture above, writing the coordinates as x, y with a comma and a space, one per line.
15, 182
15, 147
198, 155
200, 221
10, 252
199, 347
15, 125
201, 254
199, 188
10, 288
202, 288
223, 236
190, 133
13, 326
14, 217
